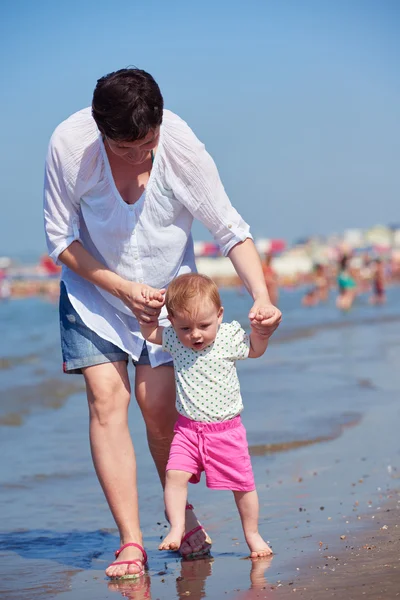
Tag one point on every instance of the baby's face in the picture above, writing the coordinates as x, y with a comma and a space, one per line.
197, 328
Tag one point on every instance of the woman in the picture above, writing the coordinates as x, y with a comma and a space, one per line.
123, 182
320, 290
346, 285
378, 283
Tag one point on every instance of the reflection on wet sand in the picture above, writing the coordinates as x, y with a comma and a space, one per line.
134, 590
55, 578
21, 400
30, 481
192, 582
258, 580
9, 362
344, 421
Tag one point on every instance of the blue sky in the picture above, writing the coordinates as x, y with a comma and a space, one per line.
298, 101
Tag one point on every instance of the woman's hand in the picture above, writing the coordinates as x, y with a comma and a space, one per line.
264, 317
144, 301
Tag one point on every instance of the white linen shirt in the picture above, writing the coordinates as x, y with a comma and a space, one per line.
149, 241
207, 383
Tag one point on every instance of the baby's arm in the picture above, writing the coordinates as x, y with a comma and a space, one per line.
258, 344
152, 332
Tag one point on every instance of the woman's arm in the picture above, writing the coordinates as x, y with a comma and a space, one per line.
79, 260
264, 317
194, 179
247, 263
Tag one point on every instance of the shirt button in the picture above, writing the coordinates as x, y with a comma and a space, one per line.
141, 280
135, 256
230, 225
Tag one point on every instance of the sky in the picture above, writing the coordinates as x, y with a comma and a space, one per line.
298, 101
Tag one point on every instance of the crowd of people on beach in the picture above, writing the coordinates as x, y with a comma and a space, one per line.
348, 277
41, 279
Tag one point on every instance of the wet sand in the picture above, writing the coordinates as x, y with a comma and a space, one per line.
362, 565
322, 413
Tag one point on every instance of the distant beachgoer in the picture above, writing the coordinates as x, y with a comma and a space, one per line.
124, 180
5, 285
209, 434
311, 297
271, 279
320, 290
321, 282
378, 283
365, 273
346, 285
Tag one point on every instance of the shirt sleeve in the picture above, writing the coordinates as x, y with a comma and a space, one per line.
61, 202
196, 184
169, 339
240, 341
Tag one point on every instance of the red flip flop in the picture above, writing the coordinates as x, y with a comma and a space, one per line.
138, 562
200, 553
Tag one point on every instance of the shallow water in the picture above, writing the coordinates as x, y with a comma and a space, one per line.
322, 414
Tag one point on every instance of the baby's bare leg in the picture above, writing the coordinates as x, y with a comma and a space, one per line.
175, 497
247, 503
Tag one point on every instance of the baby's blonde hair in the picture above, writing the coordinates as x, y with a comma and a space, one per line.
186, 288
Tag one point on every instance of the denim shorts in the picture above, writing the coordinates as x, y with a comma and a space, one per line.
81, 347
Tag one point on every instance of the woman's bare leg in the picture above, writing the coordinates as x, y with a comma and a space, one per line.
155, 393
108, 392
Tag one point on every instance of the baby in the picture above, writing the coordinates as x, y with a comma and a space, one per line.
209, 434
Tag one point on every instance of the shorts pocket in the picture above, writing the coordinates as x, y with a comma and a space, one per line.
235, 443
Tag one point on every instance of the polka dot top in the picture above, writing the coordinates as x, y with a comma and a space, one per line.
207, 384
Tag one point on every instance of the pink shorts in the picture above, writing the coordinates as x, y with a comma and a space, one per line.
219, 449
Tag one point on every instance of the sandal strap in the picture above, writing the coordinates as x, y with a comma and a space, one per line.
190, 533
138, 546
137, 563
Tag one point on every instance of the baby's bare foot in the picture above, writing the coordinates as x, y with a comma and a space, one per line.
173, 540
258, 548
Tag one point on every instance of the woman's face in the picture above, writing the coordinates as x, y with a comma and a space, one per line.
135, 152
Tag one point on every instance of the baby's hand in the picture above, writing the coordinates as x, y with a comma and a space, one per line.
144, 301
149, 293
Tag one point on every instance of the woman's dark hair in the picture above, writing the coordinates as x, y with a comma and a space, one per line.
127, 104
343, 263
